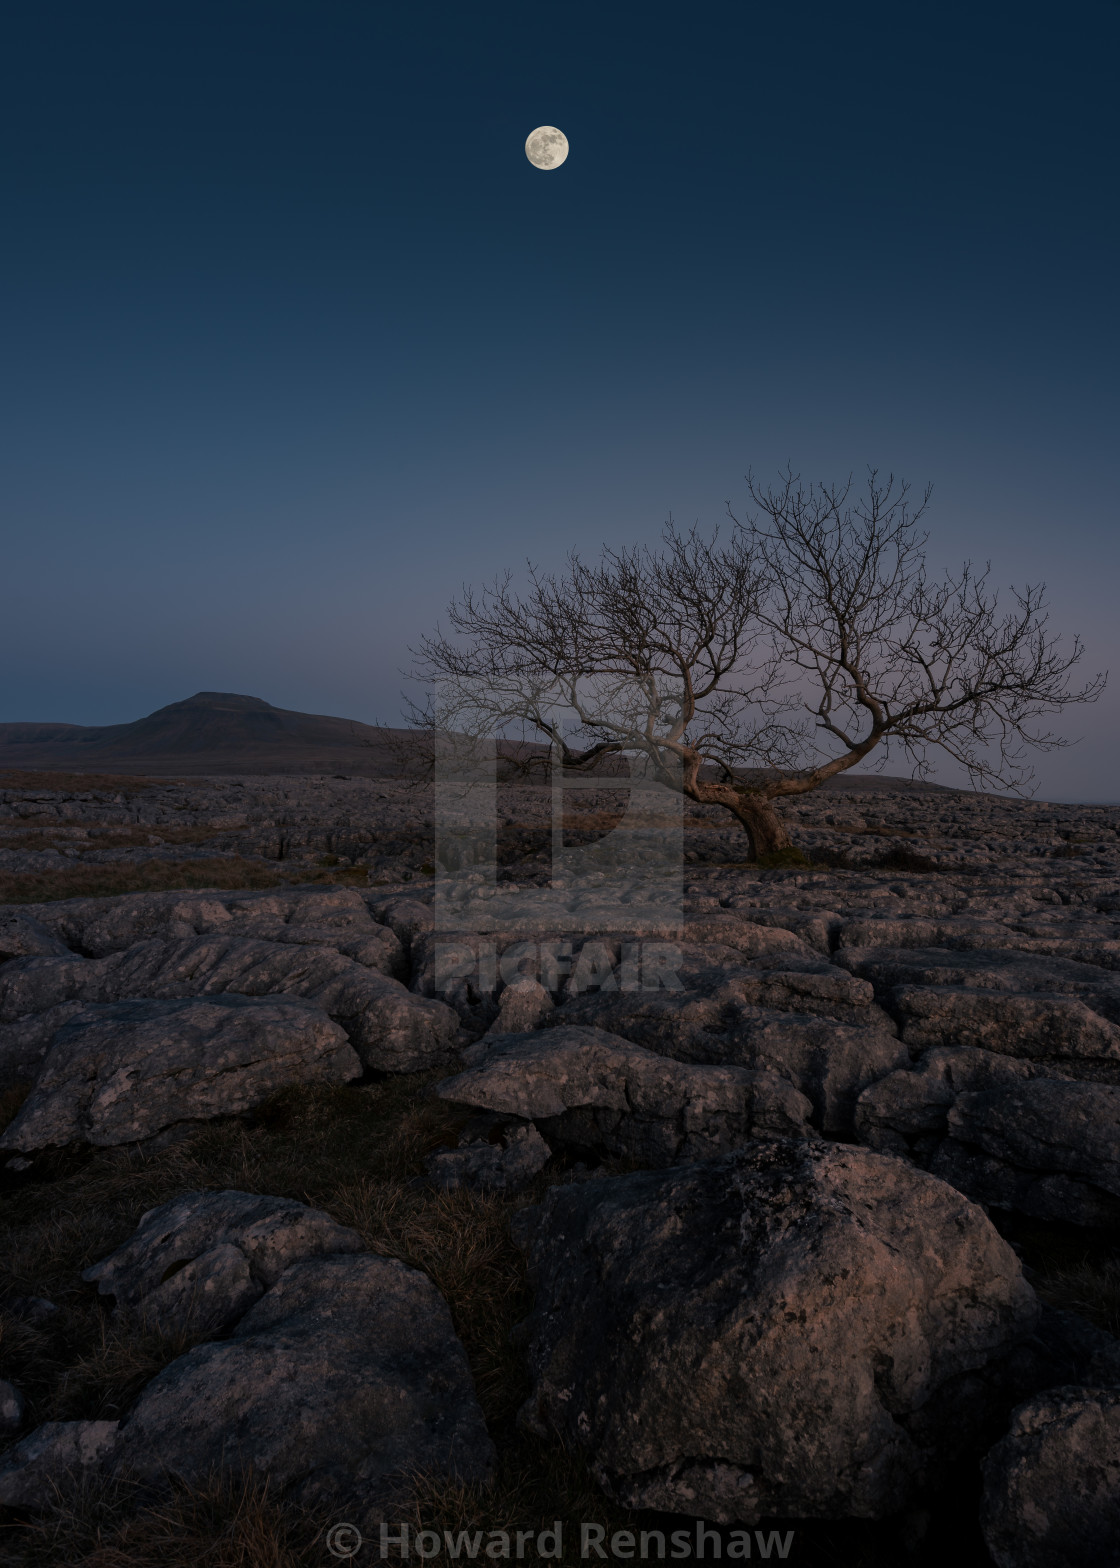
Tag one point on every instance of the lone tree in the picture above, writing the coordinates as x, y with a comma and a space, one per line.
752, 668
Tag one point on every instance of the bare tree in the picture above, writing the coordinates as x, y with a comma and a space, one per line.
754, 668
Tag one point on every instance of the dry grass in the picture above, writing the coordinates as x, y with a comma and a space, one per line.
353, 1152
152, 876
81, 783
232, 1522
112, 835
356, 1153
1090, 1287
1078, 1271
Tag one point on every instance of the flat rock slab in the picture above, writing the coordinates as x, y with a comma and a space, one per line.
1033, 1026
1052, 1486
1010, 1134
599, 1091
1048, 1147
99, 926
125, 1071
1047, 1124
345, 1378
391, 1029
787, 1330
200, 1261
982, 969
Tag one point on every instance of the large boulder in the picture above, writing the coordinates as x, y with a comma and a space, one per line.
123, 1072
596, 1090
1052, 1485
344, 1379
201, 1260
792, 1329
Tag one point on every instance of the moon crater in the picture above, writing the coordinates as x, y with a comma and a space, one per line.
546, 147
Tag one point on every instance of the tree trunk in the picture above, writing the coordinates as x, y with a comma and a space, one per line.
765, 829
754, 811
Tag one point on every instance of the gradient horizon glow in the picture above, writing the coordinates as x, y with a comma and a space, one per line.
297, 341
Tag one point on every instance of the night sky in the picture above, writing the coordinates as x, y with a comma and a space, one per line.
294, 340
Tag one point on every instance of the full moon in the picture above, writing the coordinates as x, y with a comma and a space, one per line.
546, 147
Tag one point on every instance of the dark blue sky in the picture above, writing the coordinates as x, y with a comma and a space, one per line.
295, 340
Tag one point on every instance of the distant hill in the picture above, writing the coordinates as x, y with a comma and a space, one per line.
211, 732
220, 732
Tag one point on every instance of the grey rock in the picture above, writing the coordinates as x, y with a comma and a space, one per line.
907, 1112
13, 1408
794, 1329
817, 927
391, 1029
1047, 1147
407, 918
1033, 1027
599, 1091
1046, 1124
1055, 1197
830, 1063
25, 1042
52, 1459
100, 926
983, 970
1010, 1134
524, 1005
955, 932
344, 1378
123, 1072
201, 1260
728, 928
23, 937
712, 1021
482, 1166
1052, 1486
